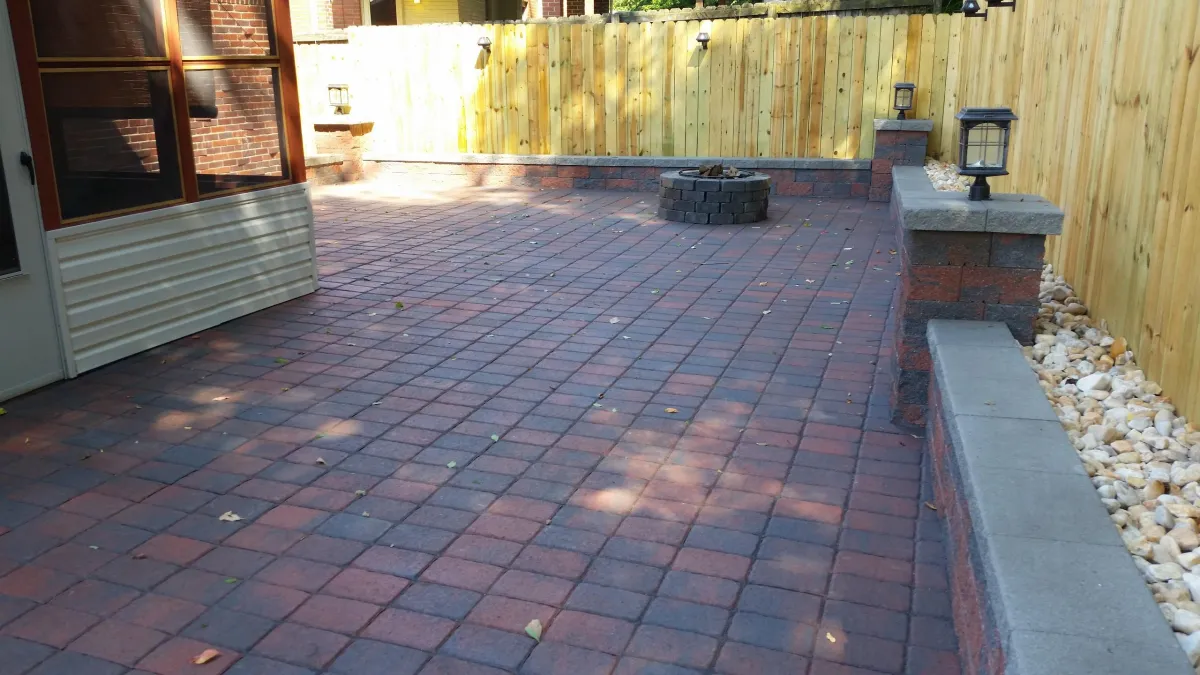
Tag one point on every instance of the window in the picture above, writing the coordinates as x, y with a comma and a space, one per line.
156, 102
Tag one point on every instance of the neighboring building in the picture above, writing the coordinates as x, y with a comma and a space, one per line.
317, 16
153, 177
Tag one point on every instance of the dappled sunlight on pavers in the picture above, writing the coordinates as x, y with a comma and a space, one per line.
667, 443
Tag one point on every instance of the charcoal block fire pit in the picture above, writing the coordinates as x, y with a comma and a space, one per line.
713, 195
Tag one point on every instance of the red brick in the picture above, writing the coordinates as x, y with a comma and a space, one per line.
35, 583
795, 189
292, 518
741, 659
161, 612
590, 631
551, 658
120, 642
713, 563
461, 574
934, 282
50, 625
318, 647
172, 549
505, 527
296, 573
572, 171
174, 657
858, 650
1004, 285
364, 585
557, 562
411, 629
556, 182
539, 588
673, 646
508, 614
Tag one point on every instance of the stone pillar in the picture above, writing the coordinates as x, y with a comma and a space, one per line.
897, 143
961, 260
348, 137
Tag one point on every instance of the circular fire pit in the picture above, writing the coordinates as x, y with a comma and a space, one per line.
687, 197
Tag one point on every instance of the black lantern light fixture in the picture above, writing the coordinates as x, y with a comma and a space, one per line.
703, 38
983, 146
339, 98
902, 100
970, 8
485, 43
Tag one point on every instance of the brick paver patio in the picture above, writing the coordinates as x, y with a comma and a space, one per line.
667, 443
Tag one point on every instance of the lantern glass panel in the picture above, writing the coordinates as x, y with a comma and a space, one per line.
904, 99
985, 146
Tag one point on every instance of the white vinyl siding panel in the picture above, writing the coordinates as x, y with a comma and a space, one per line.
132, 283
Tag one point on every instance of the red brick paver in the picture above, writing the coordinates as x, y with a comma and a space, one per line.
667, 443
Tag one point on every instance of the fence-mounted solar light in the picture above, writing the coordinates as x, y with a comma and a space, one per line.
970, 9
983, 146
903, 98
339, 98
485, 42
703, 39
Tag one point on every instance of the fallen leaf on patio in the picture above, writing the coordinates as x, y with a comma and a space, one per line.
931, 506
231, 580
762, 283
185, 428
810, 281
672, 410
281, 360
221, 398
229, 517
94, 548
451, 464
399, 305
139, 556
654, 292
372, 313
205, 656
321, 461
766, 311
760, 443
360, 493
614, 320
495, 437
829, 636
534, 630
827, 327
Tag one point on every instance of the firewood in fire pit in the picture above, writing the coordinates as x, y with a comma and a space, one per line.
712, 170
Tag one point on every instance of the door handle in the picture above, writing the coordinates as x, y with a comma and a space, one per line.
27, 162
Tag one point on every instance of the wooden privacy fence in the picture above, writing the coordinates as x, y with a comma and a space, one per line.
1108, 92
765, 87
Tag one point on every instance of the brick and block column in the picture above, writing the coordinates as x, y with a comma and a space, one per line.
961, 260
897, 143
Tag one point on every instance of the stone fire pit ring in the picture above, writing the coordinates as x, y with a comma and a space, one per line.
686, 197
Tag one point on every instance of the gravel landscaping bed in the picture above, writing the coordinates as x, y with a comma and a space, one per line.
1142, 457
944, 176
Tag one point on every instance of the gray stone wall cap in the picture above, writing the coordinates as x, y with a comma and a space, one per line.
311, 161
1063, 590
903, 125
920, 207
1073, 589
1035, 653
1022, 214
969, 333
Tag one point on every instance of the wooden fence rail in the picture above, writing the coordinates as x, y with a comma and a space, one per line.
765, 87
1109, 98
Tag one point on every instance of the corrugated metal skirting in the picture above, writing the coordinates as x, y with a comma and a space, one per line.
128, 284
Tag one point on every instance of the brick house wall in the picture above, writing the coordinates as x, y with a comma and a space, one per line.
243, 139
